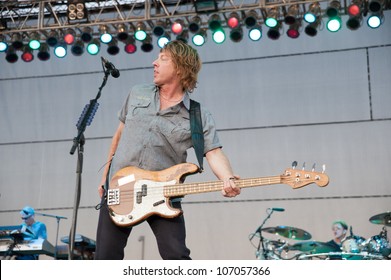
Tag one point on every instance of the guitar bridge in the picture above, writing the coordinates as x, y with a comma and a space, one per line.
113, 197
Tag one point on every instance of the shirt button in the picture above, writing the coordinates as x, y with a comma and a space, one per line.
150, 129
157, 114
145, 146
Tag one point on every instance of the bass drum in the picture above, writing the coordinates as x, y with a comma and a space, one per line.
378, 244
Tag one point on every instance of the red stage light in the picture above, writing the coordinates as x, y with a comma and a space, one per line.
27, 57
354, 10
69, 39
233, 22
177, 28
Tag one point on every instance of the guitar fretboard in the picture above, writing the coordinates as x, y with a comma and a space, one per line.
193, 188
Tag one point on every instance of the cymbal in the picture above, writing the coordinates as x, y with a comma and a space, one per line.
289, 232
382, 219
312, 246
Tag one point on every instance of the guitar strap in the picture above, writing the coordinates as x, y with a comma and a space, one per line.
197, 134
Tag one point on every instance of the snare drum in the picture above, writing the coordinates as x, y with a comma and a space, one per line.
378, 244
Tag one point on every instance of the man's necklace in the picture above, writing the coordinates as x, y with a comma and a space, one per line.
167, 99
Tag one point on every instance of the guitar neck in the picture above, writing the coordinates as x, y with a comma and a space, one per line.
193, 188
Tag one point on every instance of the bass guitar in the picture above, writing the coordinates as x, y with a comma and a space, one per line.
135, 194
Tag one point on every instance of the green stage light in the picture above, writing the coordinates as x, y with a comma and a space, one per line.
218, 36
272, 18
93, 47
199, 38
255, 33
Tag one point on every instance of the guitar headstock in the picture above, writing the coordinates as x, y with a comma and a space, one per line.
300, 178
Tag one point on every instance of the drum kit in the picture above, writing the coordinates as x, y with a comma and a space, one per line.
353, 247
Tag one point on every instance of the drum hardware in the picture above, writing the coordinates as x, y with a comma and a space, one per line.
265, 249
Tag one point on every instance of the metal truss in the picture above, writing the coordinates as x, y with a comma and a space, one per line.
26, 16
41, 16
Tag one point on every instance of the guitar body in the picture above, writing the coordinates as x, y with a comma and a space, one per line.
135, 194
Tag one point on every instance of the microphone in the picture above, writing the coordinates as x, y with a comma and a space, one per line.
277, 209
110, 66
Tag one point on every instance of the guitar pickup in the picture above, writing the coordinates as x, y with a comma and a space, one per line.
113, 197
158, 202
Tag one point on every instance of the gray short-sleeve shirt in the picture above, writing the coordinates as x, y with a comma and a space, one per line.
156, 140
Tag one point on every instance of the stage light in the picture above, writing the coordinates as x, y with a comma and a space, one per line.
159, 28
130, 45
112, 47
374, 21
27, 55
272, 18
236, 34
34, 42
251, 18
3, 44
255, 33
105, 36
214, 22
140, 34
177, 27
163, 40
76, 10
52, 38
43, 53
233, 20
147, 45
122, 34
313, 13
194, 24
69, 36
60, 50
293, 31
78, 48
11, 55
86, 34
17, 41
355, 14
333, 8
274, 32
93, 47
334, 22
184, 36
312, 28
292, 14
218, 36
375, 8
199, 38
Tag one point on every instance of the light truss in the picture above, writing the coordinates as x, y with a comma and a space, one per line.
27, 16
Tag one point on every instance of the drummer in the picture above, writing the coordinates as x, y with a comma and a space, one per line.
339, 229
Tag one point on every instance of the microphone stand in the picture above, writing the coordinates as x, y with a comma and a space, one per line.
261, 239
58, 226
78, 142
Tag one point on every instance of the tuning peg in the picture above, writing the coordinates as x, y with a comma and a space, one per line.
303, 166
294, 164
313, 167
323, 168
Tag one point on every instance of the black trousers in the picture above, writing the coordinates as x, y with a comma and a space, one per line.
170, 235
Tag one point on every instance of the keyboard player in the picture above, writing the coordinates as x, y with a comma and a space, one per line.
31, 230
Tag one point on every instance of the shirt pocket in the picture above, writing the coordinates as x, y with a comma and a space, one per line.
136, 108
176, 129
